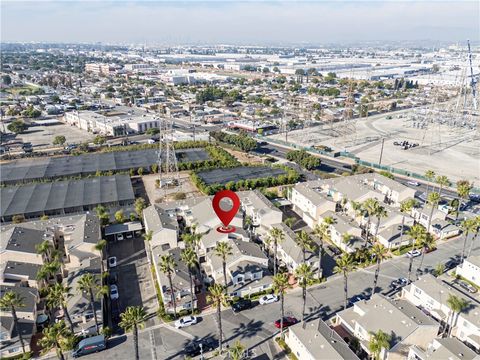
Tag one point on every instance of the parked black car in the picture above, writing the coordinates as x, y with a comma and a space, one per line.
194, 349
242, 304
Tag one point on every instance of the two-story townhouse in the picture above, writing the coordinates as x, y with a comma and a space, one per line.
163, 226
289, 254
442, 349
394, 236
247, 268
310, 202
406, 324
393, 217
431, 295
18, 243
180, 281
261, 210
395, 192
340, 228
19, 273
422, 215
316, 340
27, 315
470, 269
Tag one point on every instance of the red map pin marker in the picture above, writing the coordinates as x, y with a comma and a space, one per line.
226, 216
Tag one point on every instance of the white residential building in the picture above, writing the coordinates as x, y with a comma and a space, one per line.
431, 294
470, 269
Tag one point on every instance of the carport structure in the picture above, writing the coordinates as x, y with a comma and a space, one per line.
128, 229
63, 197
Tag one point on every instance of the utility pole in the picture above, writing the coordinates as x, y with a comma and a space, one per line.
381, 152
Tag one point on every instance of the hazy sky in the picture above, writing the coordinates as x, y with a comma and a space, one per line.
252, 22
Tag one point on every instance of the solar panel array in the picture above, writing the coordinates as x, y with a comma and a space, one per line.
224, 175
89, 163
44, 197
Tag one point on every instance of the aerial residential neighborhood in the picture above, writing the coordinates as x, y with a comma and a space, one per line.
240, 180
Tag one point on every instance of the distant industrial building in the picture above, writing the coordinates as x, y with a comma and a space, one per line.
64, 197
254, 126
100, 69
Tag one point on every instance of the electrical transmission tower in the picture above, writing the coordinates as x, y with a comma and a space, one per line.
167, 160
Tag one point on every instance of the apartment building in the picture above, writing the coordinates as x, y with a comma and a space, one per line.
100, 69
431, 295
405, 323
470, 269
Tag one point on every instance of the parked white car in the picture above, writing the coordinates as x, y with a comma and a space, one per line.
268, 299
114, 292
112, 261
413, 183
185, 321
413, 253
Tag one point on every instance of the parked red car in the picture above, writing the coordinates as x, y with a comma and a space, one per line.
287, 321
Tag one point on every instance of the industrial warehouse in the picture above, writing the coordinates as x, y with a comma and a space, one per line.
65, 197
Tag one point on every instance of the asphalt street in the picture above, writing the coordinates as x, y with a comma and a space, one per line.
254, 327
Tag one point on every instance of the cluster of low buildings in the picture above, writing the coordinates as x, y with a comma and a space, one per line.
74, 238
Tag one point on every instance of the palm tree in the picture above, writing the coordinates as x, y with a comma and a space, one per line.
55, 337
370, 207
467, 226
346, 237
45, 248
304, 241
49, 270
426, 241
277, 236
189, 258
433, 200
100, 247
218, 298
406, 206
236, 352
223, 249
380, 213
280, 286
133, 319
88, 284
429, 175
442, 181
456, 305
57, 296
12, 301
321, 231
380, 253
379, 341
193, 240
414, 233
304, 273
475, 231
345, 265
463, 191
167, 266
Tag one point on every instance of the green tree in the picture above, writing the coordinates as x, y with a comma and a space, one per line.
443, 182
415, 233
463, 192
380, 253
217, 298
46, 250
277, 236
223, 250
99, 140
236, 351
140, 205
133, 319
11, 301
100, 246
119, 216
425, 242
378, 341
17, 126
57, 296
304, 274
467, 226
88, 284
59, 140
433, 200
167, 266
345, 265
456, 305
322, 232
305, 242
6, 79
430, 176
189, 258
475, 235
58, 337
280, 286
370, 207
439, 269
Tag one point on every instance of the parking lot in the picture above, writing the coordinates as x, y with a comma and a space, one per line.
135, 285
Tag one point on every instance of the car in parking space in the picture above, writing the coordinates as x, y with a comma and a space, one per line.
119, 237
398, 283
413, 253
112, 261
450, 264
268, 299
186, 321
242, 304
357, 298
129, 236
334, 250
195, 348
413, 183
470, 288
114, 292
287, 321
